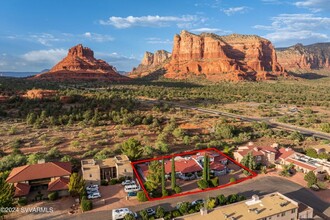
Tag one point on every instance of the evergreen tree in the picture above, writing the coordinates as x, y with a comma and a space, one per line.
249, 162
132, 148
76, 185
173, 177
164, 192
206, 168
154, 176
6, 196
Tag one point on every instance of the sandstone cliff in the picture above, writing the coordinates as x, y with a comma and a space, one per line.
303, 59
80, 64
151, 62
233, 57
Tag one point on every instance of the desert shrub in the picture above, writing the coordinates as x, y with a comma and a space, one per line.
202, 184
177, 189
214, 182
86, 205
176, 213
141, 196
211, 203
53, 196
113, 181
22, 201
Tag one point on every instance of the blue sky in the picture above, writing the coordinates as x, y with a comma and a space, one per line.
36, 34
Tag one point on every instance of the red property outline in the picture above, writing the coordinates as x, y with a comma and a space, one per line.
253, 174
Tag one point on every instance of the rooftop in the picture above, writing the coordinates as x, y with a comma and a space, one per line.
39, 171
269, 205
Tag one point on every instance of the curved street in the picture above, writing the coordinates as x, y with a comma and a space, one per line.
260, 186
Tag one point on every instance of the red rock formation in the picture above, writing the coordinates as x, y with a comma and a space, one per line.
232, 57
299, 58
40, 94
80, 64
150, 63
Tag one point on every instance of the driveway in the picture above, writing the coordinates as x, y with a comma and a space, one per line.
259, 186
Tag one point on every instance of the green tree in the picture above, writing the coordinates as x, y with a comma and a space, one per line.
7, 195
132, 148
225, 131
249, 162
184, 208
141, 196
173, 176
34, 157
222, 199
178, 133
76, 185
164, 191
206, 168
154, 176
144, 215
310, 178
129, 216
311, 152
160, 212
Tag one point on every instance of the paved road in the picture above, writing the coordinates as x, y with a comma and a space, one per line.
259, 186
269, 121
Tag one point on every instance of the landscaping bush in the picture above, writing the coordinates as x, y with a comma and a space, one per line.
121, 179
168, 216
129, 217
86, 205
176, 214
164, 193
202, 184
214, 182
144, 215
53, 196
222, 199
177, 189
113, 181
22, 201
104, 183
232, 198
191, 211
232, 180
141, 196
184, 208
321, 185
211, 203
160, 212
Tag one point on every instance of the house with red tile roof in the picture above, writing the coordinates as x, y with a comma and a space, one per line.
191, 164
53, 176
264, 155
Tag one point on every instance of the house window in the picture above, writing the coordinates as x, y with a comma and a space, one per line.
283, 214
293, 210
90, 175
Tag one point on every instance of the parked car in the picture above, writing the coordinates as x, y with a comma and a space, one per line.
92, 187
150, 211
94, 196
130, 194
184, 177
127, 182
198, 201
131, 188
120, 213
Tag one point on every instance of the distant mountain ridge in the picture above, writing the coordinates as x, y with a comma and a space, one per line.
302, 59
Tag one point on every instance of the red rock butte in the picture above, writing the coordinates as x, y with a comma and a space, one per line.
234, 57
80, 64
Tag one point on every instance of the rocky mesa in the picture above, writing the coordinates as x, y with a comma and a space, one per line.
305, 59
234, 57
80, 64
151, 62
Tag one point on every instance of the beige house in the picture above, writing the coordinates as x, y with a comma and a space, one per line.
94, 171
264, 155
269, 207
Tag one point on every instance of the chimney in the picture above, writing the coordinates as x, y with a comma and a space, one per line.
41, 161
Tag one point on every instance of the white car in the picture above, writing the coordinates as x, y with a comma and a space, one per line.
92, 187
128, 182
120, 213
198, 201
94, 195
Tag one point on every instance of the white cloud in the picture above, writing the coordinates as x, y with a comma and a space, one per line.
211, 30
51, 56
297, 27
314, 5
151, 21
121, 62
97, 37
235, 10
156, 40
